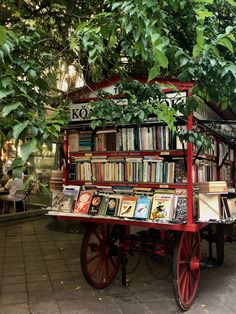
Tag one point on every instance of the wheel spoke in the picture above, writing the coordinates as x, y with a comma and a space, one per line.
186, 293
95, 267
89, 260
100, 277
183, 273
98, 235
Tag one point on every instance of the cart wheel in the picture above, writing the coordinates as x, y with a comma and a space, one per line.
186, 268
99, 255
220, 244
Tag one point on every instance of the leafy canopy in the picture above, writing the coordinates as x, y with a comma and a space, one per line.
187, 39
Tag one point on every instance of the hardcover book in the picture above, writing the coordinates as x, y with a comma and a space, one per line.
142, 209
83, 203
163, 206
95, 204
128, 206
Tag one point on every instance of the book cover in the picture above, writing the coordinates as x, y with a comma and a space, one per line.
67, 203
83, 203
143, 207
95, 204
209, 207
181, 209
56, 200
103, 205
162, 206
232, 206
112, 206
128, 206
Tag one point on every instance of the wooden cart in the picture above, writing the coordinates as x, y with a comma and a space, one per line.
108, 240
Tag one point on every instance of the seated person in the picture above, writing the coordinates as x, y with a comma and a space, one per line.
12, 185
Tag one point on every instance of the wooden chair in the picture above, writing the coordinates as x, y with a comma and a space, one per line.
19, 196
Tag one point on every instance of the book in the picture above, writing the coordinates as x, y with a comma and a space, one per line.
65, 200
209, 207
103, 205
181, 209
232, 206
112, 206
67, 203
56, 200
95, 204
83, 203
163, 206
73, 141
225, 207
212, 186
143, 207
128, 206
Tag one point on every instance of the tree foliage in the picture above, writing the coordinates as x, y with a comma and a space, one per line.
190, 40
186, 39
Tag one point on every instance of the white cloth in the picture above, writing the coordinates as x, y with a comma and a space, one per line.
13, 185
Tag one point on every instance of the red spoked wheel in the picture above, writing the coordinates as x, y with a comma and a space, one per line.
186, 268
99, 256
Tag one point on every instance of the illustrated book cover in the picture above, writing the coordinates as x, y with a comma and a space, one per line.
142, 209
163, 206
113, 205
181, 209
83, 203
69, 197
128, 206
103, 205
95, 204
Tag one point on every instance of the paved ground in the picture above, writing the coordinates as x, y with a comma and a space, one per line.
40, 274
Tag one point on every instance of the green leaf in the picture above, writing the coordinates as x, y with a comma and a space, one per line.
202, 14
113, 40
154, 72
18, 128
1, 56
200, 36
27, 149
3, 35
8, 108
6, 49
161, 58
232, 2
196, 51
205, 1
225, 42
4, 93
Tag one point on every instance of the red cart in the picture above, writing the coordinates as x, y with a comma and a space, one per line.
108, 240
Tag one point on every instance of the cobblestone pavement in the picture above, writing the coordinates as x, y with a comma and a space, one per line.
40, 274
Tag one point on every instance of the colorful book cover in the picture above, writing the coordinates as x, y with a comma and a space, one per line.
95, 204
103, 205
142, 209
128, 206
162, 206
112, 206
83, 203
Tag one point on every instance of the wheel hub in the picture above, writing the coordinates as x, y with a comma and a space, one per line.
194, 263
